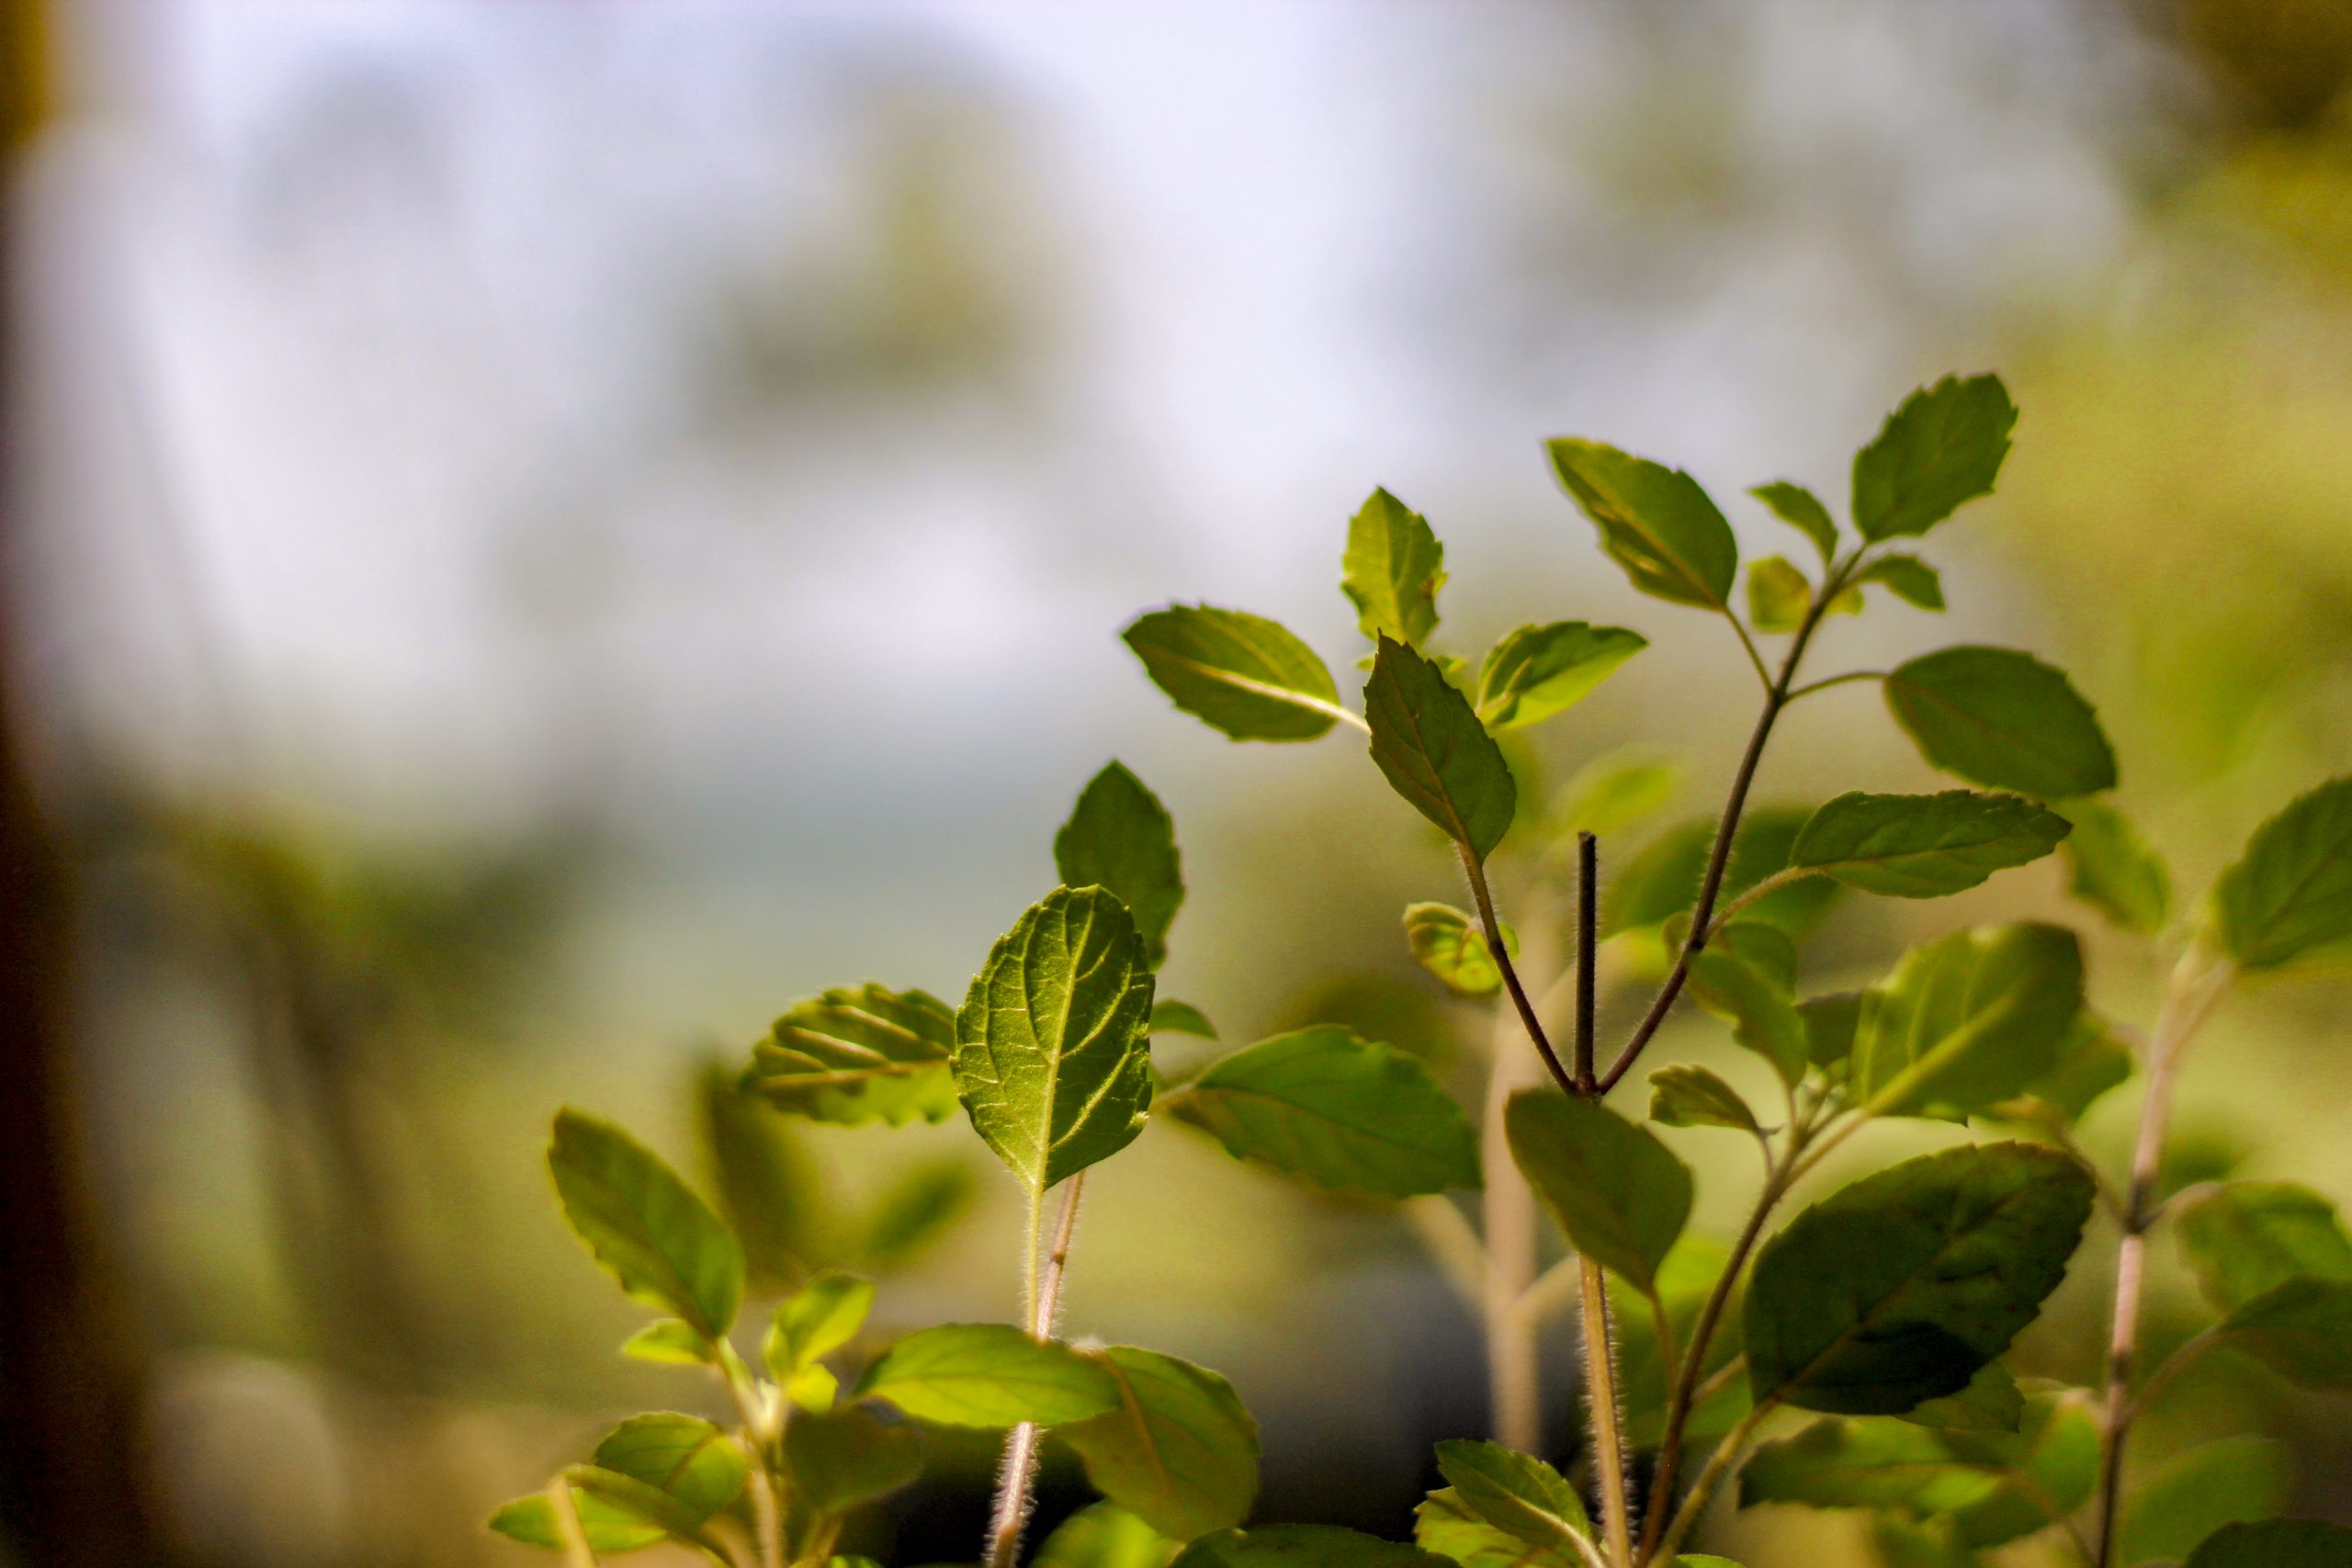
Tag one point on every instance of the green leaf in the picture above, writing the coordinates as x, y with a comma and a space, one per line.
609, 1527
1172, 1017
1688, 1276
1444, 1525
1180, 1451
1765, 1019
916, 1210
1778, 594
1991, 1402
1688, 1096
1392, 570
2002, 719
1801, 510
1943, 447
1829, 1024
1662, 879
1619, 1194
1908, 578
691, 1460
842, 1458
2291, 891
1924, 846
1613, 791
1703, 1560
1435, 752
1536, 671
2247, 1237
2111, 868
863, 1055
669, 1342
1052, 1054
1302, 1546
1935, 1544
1345, 1113
2274, 1543
652, 1233
989, 1374
1237, 672
2197, 1492
1967, 1021
1898, 1288
1119, 837
1515, 1493
2091, 1061
1655, 522
821, 1316
1449, 945
2299, 1328
1103, 1535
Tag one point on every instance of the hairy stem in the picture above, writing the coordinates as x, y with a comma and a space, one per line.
1019, 1477
2189, 998
1493, 931
1608, 1421
767, 1497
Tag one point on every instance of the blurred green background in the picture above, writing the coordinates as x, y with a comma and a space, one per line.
535, 536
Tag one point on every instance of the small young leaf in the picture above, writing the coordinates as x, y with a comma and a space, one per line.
1119, 837
863, 1055
1619, 1194
1688, 1096
1237, 672
821, 1316
2111, 868
842, 1458
2249, 1237
1536, 671
2299, 1328
1302, 1546
2274, 1543
1924, 846
1103, 1535
2291, 891
1446, 1526
1778, 594
2196, 1492
1449, 946
1515, 1493
1435, 752
1052, 1059
669, 1342
1392, 570
989, 1374
1612, 793
1343, 1113
697, 1465
1172, 1017
1967, 1021
652, 1233
2002, 719
1765, 1019
1991, 1402
1898, 1288
1801, 510
1943, 447
1908, 578
1655, 522
1180, 1451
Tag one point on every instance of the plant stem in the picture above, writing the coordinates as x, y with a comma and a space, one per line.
767, 1502
1851, 675
1021, 1444
1587, 950
1453, 1244
2189, 997
1608, 1424
1510, 1220
575, 1535
1493, 928
1710, 1475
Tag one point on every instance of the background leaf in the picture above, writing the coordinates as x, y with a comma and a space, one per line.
842, 1458
1180, 1450
2250, 1237
1119, 837
2195, 1493
649, 1231
1616, 790
989, 1374
1801, 510
2291, 891
2111, 868
1621, 1195
863, 1055
1655, 522
1967, 1021
1103, 1535
1662, 879
1765, 1019
2274, 1543
1536, 671
1302, 1546
819, 1318
2299, 1328
1173, 1017
2002, 719
1942, 448
1238, 672
1924, 846
1392, 570
1434, 752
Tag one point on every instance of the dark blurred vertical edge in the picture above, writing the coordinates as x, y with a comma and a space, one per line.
71, 1482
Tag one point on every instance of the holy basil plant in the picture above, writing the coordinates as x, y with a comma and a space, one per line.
1850, 1342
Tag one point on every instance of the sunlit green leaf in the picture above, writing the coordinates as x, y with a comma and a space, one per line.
1119, 837
2197, 1492
1449, 945
616, 1512
1516, 1492
1968, 1020
845, 1457
1392, 570
1302, 1546
1778, 594
2002, 719
1898, 1288
989, 1374
652, 1235
1765, 1019
1172, 1017
1690, 1096
2111, 868
1924, 846
1655, 522
1344, 1112
2249, 1237
1908, 578
1536, 671
1103, 1535
1180, 1450
1052, 1056
1943, 447
688, 1458
1443, 1524
821, 1316
1801, 510
2291, 891
1238, 672
1434, 752
1621, 1195
2274, 1543
860, 1055
669, 1341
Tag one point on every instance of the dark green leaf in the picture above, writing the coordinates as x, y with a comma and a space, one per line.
2300, 1328
2091, 1061
1967, 1021
1801, 510
1619, 1194
1392, 570
1765, 1019
2196, 1492
1908, 578
845, 1457
1991, 1402
2291, 891
1924, 846
1451, 947
1655, 522
652, 1233
1829, 1023
989, 1374
1435, 752
1688, 1096
1897, 1289
821, 1317
2112, 869
1943, 447
1238, 672
1302, 1546
862, 1054
1103, 1535
2249, 1237
1345, 1113
1537, 672
1119, 837
1515, 1493
1173, 1017
1052, 1054
1778, 594
2002, 719
2274, 1543
1180, 1451
1443, 1524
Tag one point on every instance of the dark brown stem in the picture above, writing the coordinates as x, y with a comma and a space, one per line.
1493, 928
